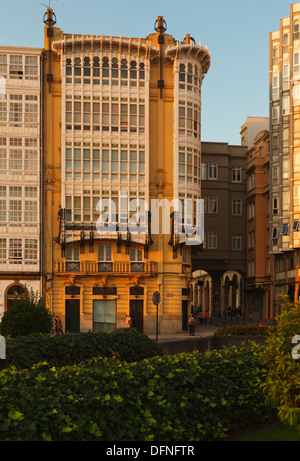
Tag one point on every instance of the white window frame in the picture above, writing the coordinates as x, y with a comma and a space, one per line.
212, 240
107, 253
237, 207
275, 87
285, 105
236, 242
286, 75
275, 207
212, 205
275, 115
213, 171
72, 254
237, 174
135, 255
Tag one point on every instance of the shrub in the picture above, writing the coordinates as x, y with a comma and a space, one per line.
74, 348
169, 398
282, 381
244, 330
25, 316
131, 345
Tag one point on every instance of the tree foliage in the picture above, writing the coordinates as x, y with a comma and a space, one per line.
282, 381
25, 316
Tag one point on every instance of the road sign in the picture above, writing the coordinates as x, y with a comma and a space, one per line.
156, 298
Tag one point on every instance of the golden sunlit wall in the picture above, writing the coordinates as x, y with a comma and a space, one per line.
285, 155
121, 119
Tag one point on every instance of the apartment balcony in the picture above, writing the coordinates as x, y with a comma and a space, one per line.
19, 266
23, 81
120, 268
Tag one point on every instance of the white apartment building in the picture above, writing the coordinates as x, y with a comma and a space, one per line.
20, 171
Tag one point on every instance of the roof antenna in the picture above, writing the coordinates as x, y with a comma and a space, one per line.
47, 6
49, 21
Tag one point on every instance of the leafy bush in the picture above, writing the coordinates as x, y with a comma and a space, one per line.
169, 398
282, 381
74, 348
130, 345
244, 330
25, 316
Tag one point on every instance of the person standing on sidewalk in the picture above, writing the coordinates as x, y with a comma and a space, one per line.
206, 317
192, 325
128, 321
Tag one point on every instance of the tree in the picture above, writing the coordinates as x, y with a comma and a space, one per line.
25, 316
282, 382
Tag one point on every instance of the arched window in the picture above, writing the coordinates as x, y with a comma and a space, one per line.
105, 62
182, 73
68, 67
96, 67
124, 71
190, 74
13, 292
196, 76
115, 68
133, 71
114, 63
87, 67
275, 205
105, 70
77, 67
142, 71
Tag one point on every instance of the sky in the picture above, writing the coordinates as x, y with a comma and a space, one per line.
236, 33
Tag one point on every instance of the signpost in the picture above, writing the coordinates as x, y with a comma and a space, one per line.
156, 301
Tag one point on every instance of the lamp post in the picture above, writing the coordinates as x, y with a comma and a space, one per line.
156, 301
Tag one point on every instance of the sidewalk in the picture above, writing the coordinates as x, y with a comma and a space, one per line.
201, 332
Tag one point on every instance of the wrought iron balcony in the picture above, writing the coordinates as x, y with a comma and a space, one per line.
63, 267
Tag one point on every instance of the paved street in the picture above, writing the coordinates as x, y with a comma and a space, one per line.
201, 331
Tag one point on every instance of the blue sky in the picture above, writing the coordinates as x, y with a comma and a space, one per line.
235, 31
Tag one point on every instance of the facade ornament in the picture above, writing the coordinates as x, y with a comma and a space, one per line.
160, 181
49, 179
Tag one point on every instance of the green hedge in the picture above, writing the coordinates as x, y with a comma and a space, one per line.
185, 397
243, 330
71, 348
281, 384
27, 315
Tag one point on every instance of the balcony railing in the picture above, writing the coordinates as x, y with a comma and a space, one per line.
63, 267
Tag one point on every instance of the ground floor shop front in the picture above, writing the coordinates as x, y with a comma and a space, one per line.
98, 304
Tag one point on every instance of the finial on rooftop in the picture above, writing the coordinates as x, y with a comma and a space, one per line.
160, 25
49, 18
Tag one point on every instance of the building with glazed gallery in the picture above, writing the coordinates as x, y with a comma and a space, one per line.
121, 126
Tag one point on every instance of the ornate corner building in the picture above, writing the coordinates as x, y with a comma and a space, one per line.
121, 125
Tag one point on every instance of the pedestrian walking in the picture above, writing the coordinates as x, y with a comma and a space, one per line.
206, 315
57, 326
128, 321
192, 325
